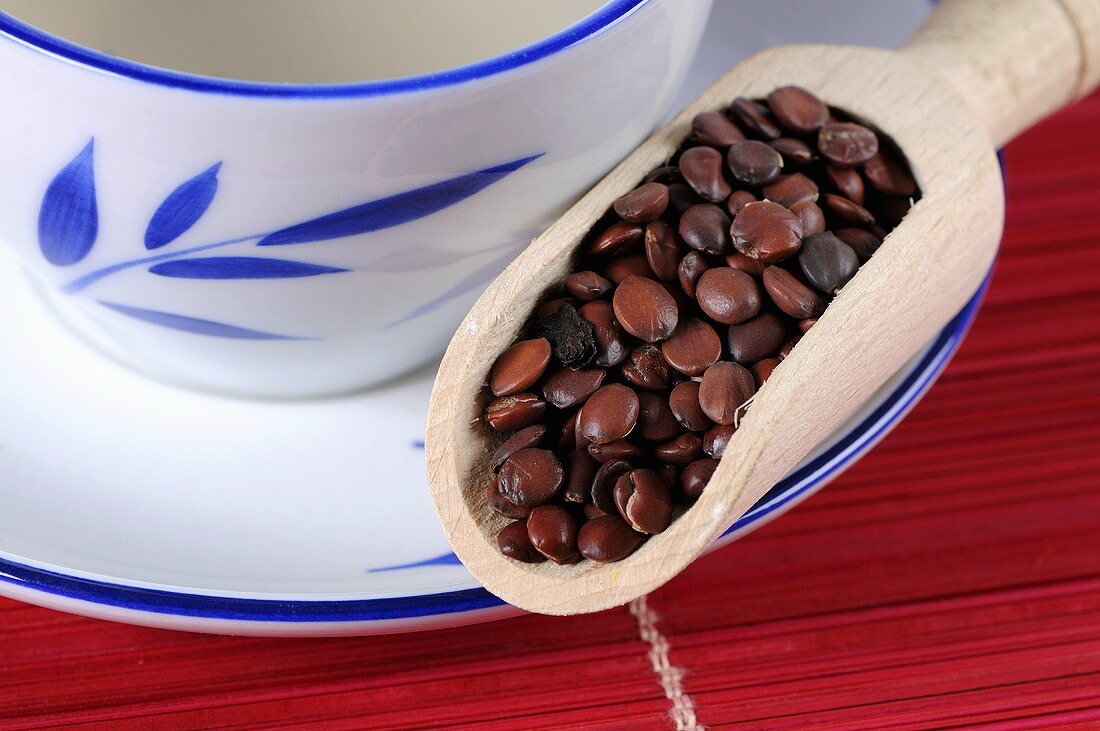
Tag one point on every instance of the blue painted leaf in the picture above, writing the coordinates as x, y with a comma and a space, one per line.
446, 559
195, 324
474, 280
416, 259
182, 208
395, 209
239, 267
68, 220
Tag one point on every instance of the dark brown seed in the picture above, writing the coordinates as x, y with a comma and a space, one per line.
753, 162
812, 217
645, 309
791, 189
705, 228
587, 286
552, 306
845, 211
622, 267
767, 231
752, 119
683, 302
728, 295
646, 368
684, 404
608, 539
567, 388
519, 366
514, 542
739, 199
827, 262
847, 182
797, 109
693, 347
656, 423
805, 325
615, 239
695, 477
888, 175
591, 512
791, 295
863, 242
847, 144
669, 474
643, 204
642, 498
691, 268
531, 477
611, 345
567, 440
619, 449
756, 339
516, 411
603, 484
661, 250
752, 267
609, 414
891, 209
502, 505
664, 174
794, 152
572, 338
683, 449
715, 130
681, 197
580, 470
553, 533
532, 436
788, 346
716, 438
724, 390
762, 370
702, 170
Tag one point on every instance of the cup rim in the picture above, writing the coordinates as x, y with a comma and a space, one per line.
607, 15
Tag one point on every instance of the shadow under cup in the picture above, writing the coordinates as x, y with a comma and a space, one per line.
289, 240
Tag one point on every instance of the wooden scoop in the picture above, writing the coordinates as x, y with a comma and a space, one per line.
976, 74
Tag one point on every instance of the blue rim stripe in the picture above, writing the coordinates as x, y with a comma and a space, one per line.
160, 601
607, 15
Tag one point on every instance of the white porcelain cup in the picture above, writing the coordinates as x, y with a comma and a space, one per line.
288, 240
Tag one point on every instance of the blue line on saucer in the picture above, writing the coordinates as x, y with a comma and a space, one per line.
597, 22
453, 602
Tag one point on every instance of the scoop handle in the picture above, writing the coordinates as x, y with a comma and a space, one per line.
1013, 61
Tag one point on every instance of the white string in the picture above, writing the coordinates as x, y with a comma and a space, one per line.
669, 676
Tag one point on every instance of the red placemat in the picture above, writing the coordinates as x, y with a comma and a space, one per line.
951, 579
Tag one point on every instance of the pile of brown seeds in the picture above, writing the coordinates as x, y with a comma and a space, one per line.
625, 389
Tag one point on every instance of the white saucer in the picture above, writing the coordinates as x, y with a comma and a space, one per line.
131, 500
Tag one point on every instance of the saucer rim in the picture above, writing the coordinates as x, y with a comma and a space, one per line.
198, 606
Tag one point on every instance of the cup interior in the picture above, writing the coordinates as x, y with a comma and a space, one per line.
302, 41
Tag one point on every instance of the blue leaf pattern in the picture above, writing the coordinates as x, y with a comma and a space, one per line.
416, 259
68, 220
478, 278
182, 208
446, 559
194, 324
393, 210
239, 267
